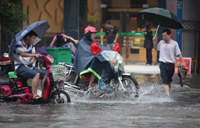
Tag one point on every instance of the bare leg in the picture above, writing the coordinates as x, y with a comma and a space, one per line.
42, 82
167, 87
92, 78
35, 84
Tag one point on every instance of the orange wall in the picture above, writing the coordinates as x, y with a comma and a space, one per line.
50, 10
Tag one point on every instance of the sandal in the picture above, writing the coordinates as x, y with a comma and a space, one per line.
36, 97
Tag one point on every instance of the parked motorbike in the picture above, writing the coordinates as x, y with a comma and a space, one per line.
5, 64
17, 89
120, 81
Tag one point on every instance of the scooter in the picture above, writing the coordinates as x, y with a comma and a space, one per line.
120, 80
5, 64
17, 89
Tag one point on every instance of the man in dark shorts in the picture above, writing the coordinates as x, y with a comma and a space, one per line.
112, 34
24, 54
169, 50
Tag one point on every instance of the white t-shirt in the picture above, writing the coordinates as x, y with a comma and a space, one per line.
168, 51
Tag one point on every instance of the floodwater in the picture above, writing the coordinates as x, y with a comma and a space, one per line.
152, 109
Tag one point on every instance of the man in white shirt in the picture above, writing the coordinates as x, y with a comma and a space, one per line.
169, 50
24, 53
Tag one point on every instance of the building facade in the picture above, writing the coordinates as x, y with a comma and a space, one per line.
72, 16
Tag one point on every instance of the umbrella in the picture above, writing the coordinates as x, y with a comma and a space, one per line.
161, 17
39, 28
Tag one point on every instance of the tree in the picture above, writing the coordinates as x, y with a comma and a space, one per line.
11, 16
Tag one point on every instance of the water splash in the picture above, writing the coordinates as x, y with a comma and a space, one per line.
148, 94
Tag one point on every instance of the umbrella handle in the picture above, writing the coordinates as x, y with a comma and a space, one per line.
157, 30
155, 41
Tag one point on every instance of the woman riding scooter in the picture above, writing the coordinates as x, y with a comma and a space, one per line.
93, 60
88, 61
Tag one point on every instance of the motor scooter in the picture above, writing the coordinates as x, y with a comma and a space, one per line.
120, 81
17, 89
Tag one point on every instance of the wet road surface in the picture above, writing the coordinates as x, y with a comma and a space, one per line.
152, 109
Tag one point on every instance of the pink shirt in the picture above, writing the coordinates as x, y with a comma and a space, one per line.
63, 35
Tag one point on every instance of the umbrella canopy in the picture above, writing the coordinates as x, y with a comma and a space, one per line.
39, 28
161, 17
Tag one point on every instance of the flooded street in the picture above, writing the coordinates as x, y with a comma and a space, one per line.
152, 109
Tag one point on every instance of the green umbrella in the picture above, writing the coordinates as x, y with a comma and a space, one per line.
162, 17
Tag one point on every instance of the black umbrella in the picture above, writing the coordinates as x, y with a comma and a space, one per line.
162, 17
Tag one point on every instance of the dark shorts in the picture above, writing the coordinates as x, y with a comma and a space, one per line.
166, 72
29, 73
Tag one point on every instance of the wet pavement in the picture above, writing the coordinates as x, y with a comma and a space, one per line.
152, 109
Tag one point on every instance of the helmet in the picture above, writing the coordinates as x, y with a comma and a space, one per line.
90, 29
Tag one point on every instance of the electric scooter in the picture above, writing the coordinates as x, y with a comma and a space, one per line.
17, 89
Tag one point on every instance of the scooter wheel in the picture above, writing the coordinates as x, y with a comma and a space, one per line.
131, 85
63, 97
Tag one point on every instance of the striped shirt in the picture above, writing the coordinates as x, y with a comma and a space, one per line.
168, 51
21, 47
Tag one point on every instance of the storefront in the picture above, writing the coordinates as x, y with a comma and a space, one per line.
75, 15
122, 14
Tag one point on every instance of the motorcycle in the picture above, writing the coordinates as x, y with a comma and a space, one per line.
6, 64
17, 89
120, 81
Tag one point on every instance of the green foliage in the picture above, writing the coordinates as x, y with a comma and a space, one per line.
11, 15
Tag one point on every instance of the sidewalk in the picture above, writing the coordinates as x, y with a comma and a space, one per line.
142, 69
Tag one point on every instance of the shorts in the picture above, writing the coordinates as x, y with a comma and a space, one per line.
27, 72
166, 72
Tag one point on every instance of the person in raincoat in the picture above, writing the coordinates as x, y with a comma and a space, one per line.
24, 56
88, 59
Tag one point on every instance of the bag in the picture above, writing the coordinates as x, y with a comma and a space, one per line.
116, 48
